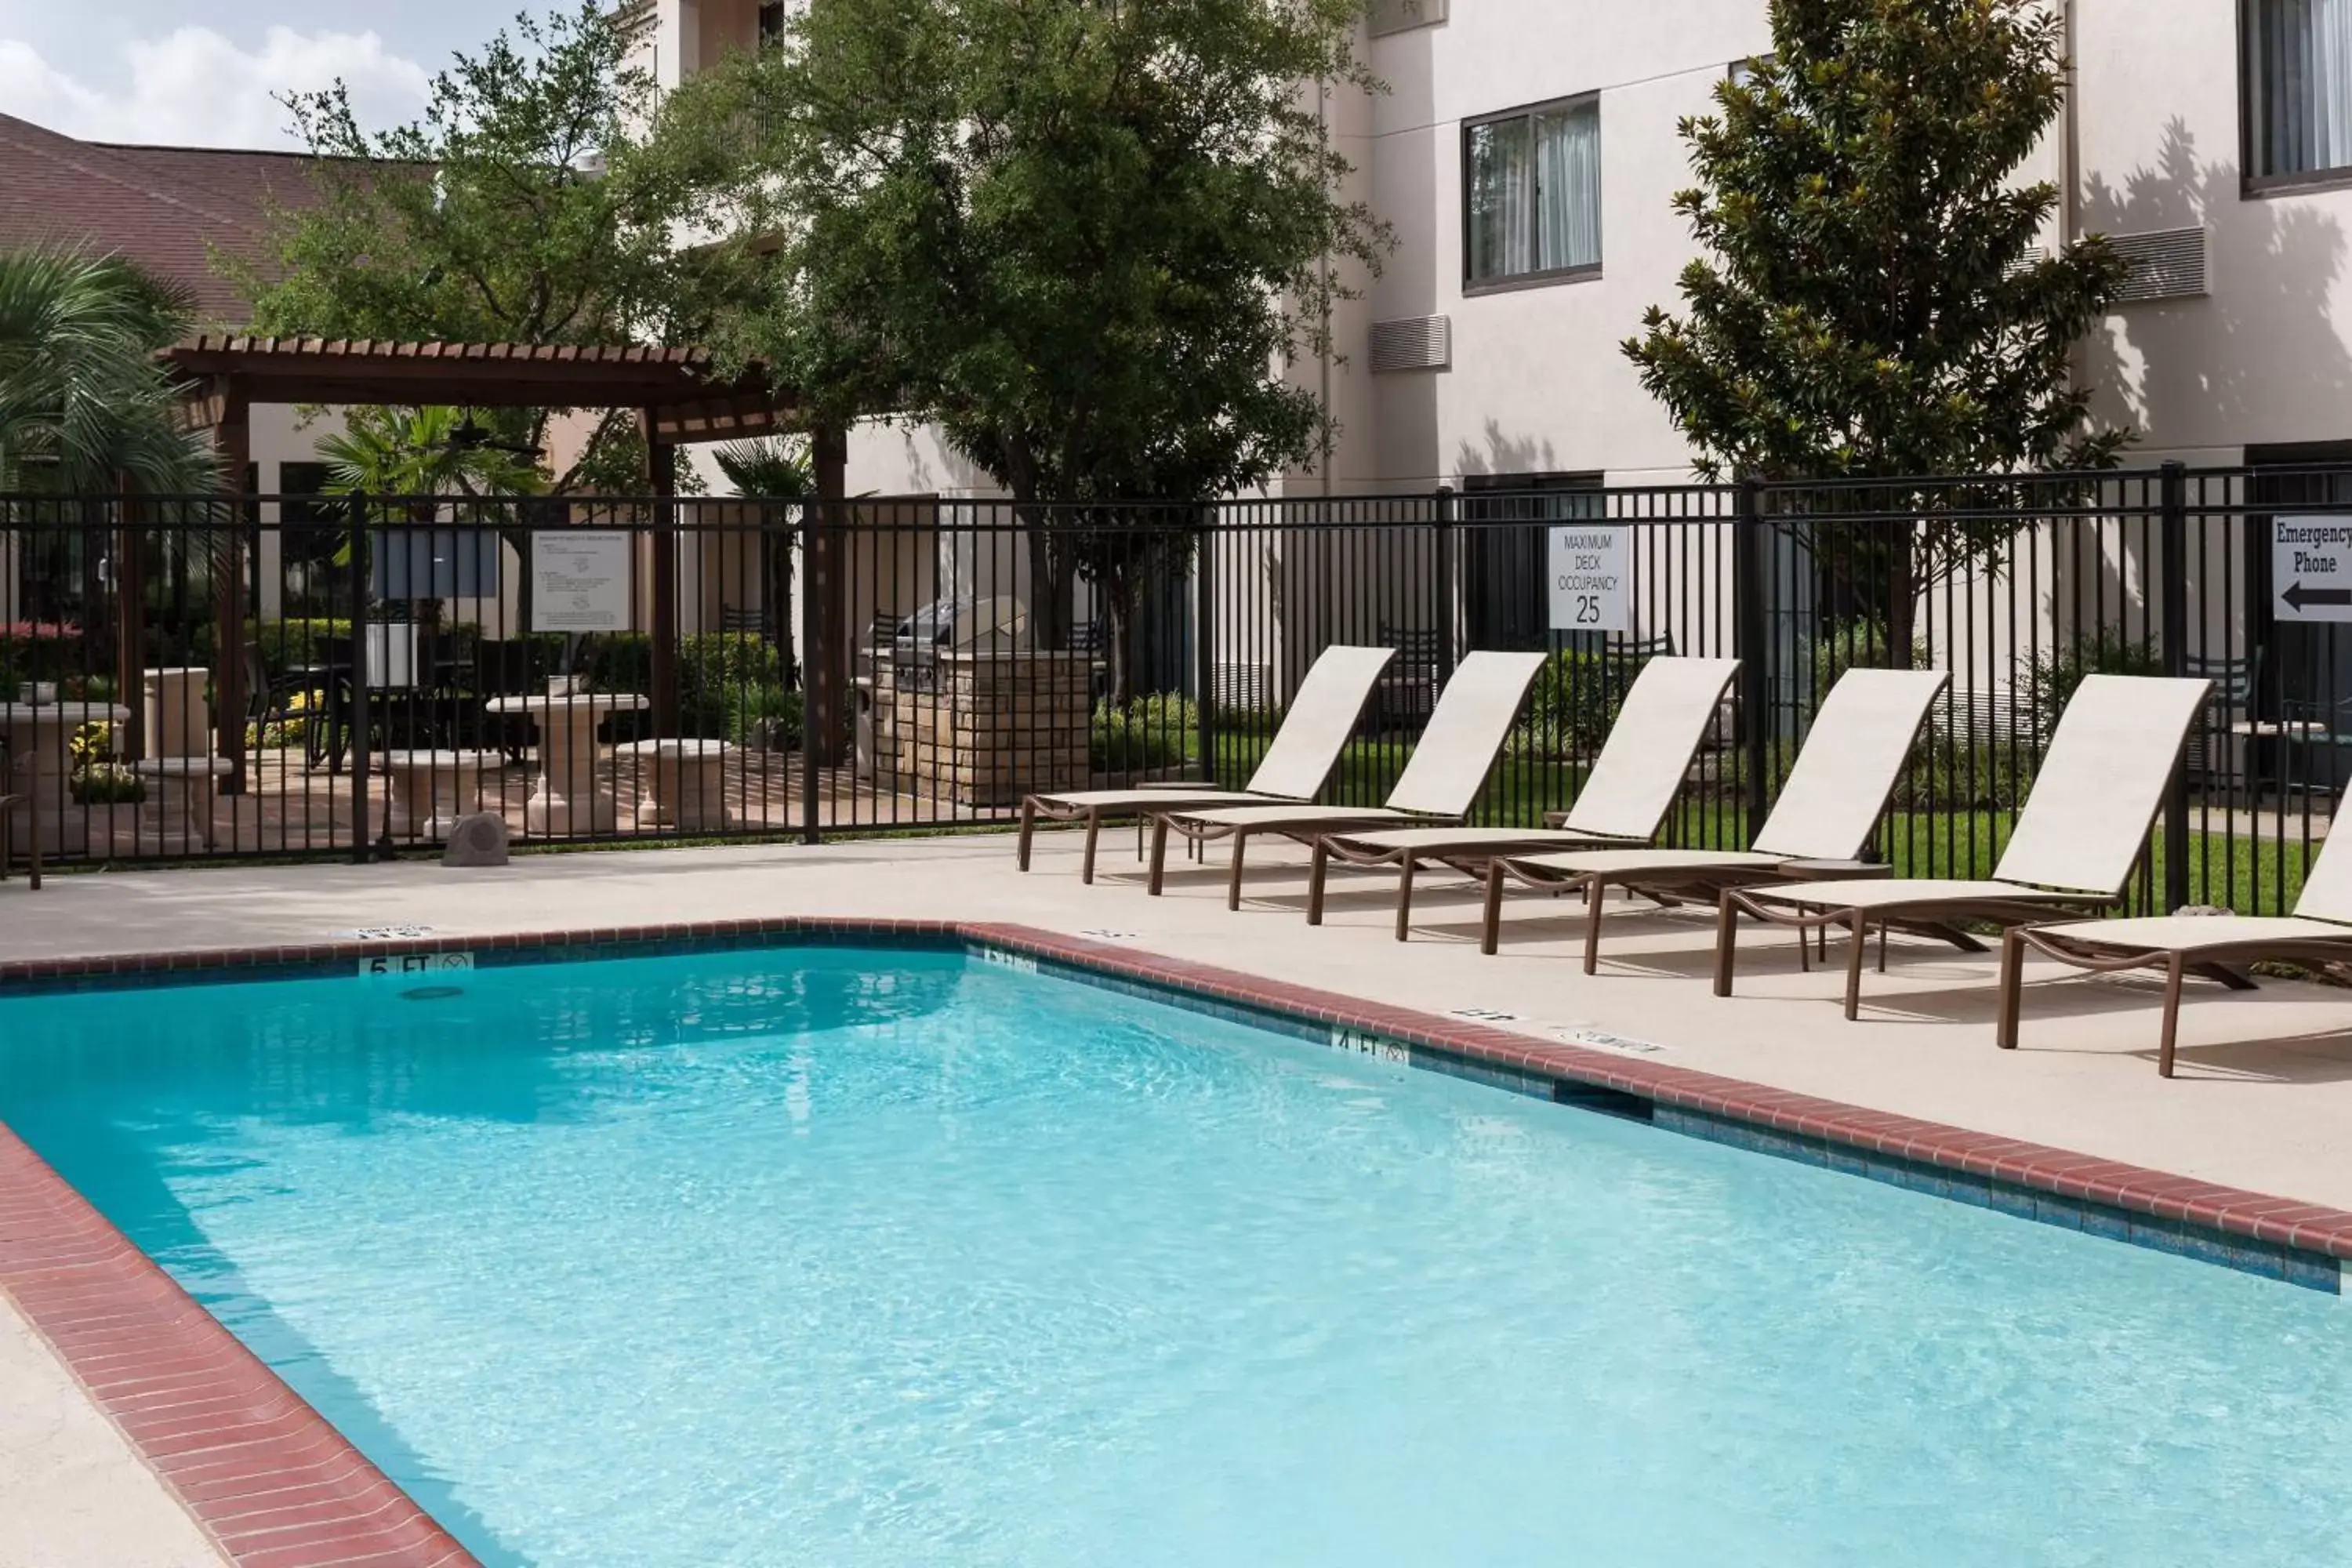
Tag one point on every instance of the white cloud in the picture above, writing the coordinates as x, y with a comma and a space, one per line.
196, 88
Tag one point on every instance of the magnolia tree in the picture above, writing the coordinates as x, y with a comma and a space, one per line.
1874, 298
1081, 239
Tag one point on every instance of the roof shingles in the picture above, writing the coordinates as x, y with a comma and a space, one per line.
165, 209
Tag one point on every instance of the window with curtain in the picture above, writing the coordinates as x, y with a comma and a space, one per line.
1531, 183
2298, 59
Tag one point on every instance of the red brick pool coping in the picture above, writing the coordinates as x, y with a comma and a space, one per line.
276, 1486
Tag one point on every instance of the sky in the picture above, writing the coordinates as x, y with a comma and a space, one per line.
206, 72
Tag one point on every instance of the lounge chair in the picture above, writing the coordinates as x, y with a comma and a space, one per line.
1831, 801
1631, 786
2072, 849
2215, 947
1439, 784
1314, 732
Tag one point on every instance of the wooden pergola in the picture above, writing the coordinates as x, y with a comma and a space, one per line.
679, 401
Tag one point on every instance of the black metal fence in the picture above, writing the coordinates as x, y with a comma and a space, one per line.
290, 675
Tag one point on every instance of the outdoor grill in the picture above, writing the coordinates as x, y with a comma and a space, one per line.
957, 623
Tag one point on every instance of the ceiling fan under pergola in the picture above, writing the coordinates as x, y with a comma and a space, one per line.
470, 435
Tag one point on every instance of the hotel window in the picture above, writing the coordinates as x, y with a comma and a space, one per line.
2297, 56
1531, 179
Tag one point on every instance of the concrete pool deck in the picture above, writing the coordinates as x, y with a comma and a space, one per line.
2264, 1092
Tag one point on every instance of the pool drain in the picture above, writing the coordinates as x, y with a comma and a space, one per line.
431, 993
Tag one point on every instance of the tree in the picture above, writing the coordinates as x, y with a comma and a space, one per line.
415, 456
83, 401
768, 470
86, 408
429, 451
1872, 302
519, 209
1082, 239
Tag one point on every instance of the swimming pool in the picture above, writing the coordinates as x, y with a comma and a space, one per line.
864, 1257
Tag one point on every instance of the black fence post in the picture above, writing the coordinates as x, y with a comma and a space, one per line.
2174, 589
1751, 638
1448, 632
812, 652
362, 766
1204, 646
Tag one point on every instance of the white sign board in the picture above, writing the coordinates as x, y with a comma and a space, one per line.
1591, 579
580, 580
2311, 569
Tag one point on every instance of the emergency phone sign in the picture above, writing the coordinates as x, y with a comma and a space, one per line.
1591, 574
2311, 569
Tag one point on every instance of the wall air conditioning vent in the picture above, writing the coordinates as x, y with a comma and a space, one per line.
1414, 342
2168, 264
1387, 16
2035, 255
1242, 686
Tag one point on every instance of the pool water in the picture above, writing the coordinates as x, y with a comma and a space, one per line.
849, 1258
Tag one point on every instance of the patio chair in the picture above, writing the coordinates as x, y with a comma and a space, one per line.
1297, 763
502, 668
1627, 794
1834, 797
267, 700
2082, 830
2217, 947
1409, 688
11, 804
1439, 784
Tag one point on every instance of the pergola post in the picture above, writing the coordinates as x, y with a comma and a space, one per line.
825, 582
234, 432
661, 470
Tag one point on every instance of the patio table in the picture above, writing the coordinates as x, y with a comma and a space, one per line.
567, 797
40, 739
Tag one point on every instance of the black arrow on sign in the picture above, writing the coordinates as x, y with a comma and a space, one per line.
2297, 595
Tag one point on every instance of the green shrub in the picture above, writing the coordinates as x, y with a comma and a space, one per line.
1158, 731
107, 783
294, 644
1859, 643
770, 709
1251, 721
33, 653
1572, 704
2056, 674
720, 676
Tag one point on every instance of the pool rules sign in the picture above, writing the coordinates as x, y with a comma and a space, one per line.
1591, 574
2311, 569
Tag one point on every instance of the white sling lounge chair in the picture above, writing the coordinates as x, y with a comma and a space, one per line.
1301, 756
1439, 784
1831, 799
2215, 947
2074, 848
1633, 785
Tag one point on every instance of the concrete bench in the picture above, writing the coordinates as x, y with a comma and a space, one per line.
431, 790
682, 783
198, 780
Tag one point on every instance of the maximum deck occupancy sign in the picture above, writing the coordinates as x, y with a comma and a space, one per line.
580, 580
2311, 568
1591, 576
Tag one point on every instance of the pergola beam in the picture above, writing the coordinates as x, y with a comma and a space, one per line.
679, 399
